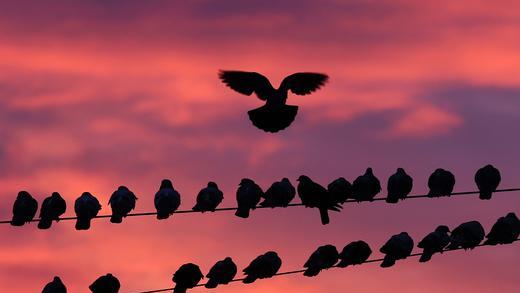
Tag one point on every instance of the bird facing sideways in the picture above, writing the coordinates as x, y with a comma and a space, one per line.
262, 267
504, 231
56, 286
354, 253
222, 272
314, 195
105, 284
186, 277
209, 198
322, 258
399, 246
52, 208
467, 235
280, 194
248, 196
434, 242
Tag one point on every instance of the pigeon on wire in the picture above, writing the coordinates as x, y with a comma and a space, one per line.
122, 202
323, 258
208, 198
505, 231
467, 235
487, 179
399, 186
275, 115
248, 196
280, 194
52, 208
340, 190
222, 272
441, 183
186, 277
263, 267
434, 242
86, 207
105, 284
314, 195
24, 209
366, 186
56, 286
167, 200
399, 246
354, 253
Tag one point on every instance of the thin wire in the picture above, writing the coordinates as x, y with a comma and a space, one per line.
264, 207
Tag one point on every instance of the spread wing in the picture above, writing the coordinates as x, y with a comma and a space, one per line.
248, 82
303, 83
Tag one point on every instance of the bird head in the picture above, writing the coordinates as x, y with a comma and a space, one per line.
286, 180
512, 215
246, 181
57, 279
400, 171
212, 184
55, 194
166, 183
23, 194
122, 187
271, 254
303, 178
442, 229
369, 171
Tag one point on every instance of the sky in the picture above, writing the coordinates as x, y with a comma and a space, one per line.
97, 94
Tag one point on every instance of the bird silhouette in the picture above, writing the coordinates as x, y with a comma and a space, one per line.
354, 253
248, 196
167, 200
434, 242
467, 235
208, 198
399, 246
487, 179
441, 183
504, 231
105, 284
52, 208
314, 195
86, 207
280, 194
340, 190
322, 258
399, 186
122, 202
24, 209
222, 272
275, 115
56, 286
263, 267
186, 277
366, 186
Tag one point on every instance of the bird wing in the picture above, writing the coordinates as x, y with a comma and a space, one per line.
247, 83
303, 83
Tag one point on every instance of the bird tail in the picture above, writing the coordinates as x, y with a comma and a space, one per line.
212, 283
485, 195
249, 279
44, 223
116, 218
82, 224
242, 212
311, 272
324, 215
426, 256
161, 215
273, 118
388, 261
179, 289
17, 221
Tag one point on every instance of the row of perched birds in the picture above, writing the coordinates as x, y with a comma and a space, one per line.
467, 236
249, 194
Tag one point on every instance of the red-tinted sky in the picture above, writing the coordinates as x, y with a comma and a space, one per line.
96, 94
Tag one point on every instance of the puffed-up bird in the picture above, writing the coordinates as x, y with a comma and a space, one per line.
249, 195
209, 198
487, 179
221, 273
314, 195
275, 115
322, 258
186, 277
434, 242
122, 202
263, 267
86, 207
467, 235
167, 200
366, 186
280, 194
505, 231
52, 208
24, 209
441, 183
56, 286
399, 246
354, 253
340, 190
399, 186
105, 284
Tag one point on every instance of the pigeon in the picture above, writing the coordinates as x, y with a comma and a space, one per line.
399, 186
487, 179
122, 202
467, 235
441, 183
221, 273
323, 258
86, 208
505, 231
186, 277
280, 194
24, 209
209, 198
354, 253
275, 115
434, 242
105, 284
56, 286
366, 186
340, 190
314, 195
52, 208
248, 196
263, 267
167, 200
399, 246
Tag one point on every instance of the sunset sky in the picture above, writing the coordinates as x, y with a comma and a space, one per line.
97, 94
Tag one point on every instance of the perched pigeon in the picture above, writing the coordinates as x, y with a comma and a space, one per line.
86, 208
399, 246
434, 242
323, 258
280, 194
56, 286
354, 253
340, 190
487, 179
105, 284
441, 183
505, 231
263, 267
248, 196
366, 186
314, 195
221, 273
52, 208
122, 202
24, 209
186, 277
467, 235
399, 186
209, 198
167, 200
275, 115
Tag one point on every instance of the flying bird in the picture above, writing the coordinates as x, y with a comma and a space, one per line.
280, 194
399, 186
208, 198
86, 207
122, 202
222, 272
105, 284
24, 209
467, 235
399, 246
248, 196
505, 231
487, 179
52, 208
354, 253
323, 258
263, 267
56, 286
314, 195
186, 277
441, 183
340, 190
167, 200
366, 186
275, 115
434, 242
